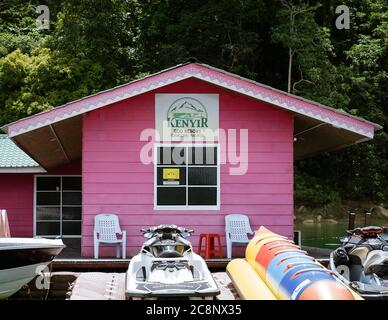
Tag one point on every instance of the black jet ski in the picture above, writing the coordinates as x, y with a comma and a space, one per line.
362, 261
168, 267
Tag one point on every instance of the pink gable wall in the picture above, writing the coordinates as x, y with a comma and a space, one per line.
115, 181
17, 197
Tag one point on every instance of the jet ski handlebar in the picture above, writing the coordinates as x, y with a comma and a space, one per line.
368, 231
173, 229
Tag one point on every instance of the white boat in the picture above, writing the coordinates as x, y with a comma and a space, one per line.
167, 267
22, 259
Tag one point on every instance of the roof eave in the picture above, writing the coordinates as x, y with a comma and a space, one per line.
5, 127
187, 75
376, 126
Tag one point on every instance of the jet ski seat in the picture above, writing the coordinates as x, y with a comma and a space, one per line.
376, 262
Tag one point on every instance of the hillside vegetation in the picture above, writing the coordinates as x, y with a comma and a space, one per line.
93, 45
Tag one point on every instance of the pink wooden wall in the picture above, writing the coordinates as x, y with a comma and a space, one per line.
115, 181
17, 197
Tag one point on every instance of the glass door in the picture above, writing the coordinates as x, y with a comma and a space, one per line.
58, 206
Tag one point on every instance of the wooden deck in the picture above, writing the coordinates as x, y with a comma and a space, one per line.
98, 286
104, 279
111, 286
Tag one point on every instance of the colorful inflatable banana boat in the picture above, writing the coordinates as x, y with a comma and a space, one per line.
275, 268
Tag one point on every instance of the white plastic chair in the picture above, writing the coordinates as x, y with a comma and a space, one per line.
106, 229
236, 228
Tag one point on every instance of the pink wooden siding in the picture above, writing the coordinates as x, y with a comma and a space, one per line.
17, 197
115, 181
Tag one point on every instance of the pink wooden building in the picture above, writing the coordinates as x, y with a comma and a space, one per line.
94, 156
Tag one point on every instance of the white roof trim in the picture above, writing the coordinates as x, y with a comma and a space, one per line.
188, 73
92, 107
22, 170
286, 106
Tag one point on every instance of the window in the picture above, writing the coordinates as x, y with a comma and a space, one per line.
187, 177
58, 205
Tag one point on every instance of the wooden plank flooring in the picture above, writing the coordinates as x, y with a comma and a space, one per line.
111, 286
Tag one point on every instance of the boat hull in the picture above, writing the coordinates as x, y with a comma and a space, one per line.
22, 261
12, 280
14, 258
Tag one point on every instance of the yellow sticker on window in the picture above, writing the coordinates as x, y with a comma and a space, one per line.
170, 173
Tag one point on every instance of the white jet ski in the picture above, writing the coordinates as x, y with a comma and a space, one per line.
167, 266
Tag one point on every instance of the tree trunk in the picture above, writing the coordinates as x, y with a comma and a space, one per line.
290, 56
290, 51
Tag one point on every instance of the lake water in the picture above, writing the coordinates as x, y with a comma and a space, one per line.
326, 235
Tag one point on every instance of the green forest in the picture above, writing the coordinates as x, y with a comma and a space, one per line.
92, 45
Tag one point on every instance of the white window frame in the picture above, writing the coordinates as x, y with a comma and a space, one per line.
187, 207
35, 204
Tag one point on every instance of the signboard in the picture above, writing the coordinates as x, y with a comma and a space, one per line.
171, 175
187, 116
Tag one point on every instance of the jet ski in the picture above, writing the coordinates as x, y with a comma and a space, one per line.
361, 262
167, 267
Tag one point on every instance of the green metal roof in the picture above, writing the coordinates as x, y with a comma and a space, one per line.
11, 156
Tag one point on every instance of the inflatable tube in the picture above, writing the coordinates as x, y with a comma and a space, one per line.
279, 265
254, 247
247, 282
290, 273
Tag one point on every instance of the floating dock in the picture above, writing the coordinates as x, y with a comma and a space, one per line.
98, 286
72, 278
111, 286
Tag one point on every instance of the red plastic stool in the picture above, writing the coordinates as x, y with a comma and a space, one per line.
209, 244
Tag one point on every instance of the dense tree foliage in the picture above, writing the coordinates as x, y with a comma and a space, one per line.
289, 44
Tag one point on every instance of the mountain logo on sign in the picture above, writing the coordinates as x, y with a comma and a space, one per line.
187, 113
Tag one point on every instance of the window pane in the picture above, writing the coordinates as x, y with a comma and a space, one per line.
71, 213
203, 176
48, 213
202, 156
48, 228
171, 196
202, 196
48, 183
71, 228
48, 198
71, 183
171, 155
171, 175
71, 198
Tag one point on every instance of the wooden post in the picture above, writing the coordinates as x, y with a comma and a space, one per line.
352, 220
367, 220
